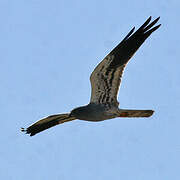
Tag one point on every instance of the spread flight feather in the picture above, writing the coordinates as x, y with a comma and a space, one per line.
106, 77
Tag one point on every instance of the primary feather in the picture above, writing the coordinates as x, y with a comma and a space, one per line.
106, 77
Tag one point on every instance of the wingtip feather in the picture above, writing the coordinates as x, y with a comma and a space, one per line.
23, 130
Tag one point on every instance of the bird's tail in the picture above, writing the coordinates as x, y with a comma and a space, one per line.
135, 113
46, 123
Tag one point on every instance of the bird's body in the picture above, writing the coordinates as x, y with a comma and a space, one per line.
105, 81
95, 112
100, 112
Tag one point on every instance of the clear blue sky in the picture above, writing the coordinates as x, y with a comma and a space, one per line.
48, 50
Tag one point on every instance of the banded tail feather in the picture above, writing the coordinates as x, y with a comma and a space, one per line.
135, 113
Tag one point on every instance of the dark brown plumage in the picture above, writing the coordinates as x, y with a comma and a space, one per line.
105, 81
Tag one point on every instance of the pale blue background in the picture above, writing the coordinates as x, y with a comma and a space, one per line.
47, 52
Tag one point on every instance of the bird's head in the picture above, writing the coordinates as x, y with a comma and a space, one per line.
79, 113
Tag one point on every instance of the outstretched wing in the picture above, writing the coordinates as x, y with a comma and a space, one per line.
106, 77
47, 122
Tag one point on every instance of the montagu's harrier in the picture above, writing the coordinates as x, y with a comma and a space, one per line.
105, 81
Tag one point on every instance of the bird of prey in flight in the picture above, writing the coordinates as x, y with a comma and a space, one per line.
105, 81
